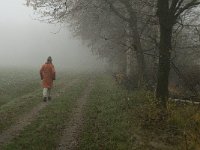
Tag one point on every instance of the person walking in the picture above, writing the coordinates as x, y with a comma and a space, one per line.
47, 74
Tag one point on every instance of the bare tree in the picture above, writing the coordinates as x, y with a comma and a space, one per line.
94, 21
169, 12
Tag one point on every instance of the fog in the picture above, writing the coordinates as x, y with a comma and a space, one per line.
26, 42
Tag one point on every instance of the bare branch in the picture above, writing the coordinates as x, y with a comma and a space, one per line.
116, 11
189, 5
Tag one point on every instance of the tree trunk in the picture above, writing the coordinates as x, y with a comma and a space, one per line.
123, 63
140, 64
128, 63
164, 64
133, 23
139, 52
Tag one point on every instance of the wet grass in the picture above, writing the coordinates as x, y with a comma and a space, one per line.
44, 132
14, 83
17, 106
115, 119
108, 124
119, 120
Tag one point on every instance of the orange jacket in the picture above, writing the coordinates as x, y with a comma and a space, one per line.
47, 74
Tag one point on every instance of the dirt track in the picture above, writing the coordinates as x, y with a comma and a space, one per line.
69, 138
12, 132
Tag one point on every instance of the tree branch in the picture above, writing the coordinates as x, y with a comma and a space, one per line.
116, 12
174, 5
189, 5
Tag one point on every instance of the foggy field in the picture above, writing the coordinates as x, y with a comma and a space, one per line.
20, 92
15, 83
100, 75
112, 118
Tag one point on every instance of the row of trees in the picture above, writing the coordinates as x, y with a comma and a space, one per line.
133, 34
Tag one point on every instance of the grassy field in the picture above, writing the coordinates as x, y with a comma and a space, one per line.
19, 101
45, 131
14, 83
120, 120
114, 119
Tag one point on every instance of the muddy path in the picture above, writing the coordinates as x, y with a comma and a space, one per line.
71, 132
26, 119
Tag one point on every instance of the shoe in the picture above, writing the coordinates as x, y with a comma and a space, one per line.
49, 98
45, 99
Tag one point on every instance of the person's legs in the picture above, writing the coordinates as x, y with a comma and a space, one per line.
45, 94
49, 93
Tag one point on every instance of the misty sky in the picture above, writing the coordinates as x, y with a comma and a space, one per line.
28, 42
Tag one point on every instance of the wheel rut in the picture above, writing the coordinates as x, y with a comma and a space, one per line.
71, 132
14, 131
